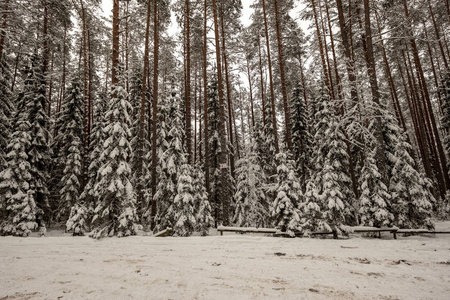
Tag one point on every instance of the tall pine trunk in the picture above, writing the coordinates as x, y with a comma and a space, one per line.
155, 108
272, 93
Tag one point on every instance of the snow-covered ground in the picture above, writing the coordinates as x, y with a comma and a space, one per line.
232, 266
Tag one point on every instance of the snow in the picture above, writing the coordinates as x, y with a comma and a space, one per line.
232, 266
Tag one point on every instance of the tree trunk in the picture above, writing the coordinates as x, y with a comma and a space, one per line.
188, 86
205, 96
140, 150
319, 38
349, 62
287, 113
263, 102
272, 93
381, 157
251, 91
222, 135
438, 35
115, 44
155, 107
440, 149
229, 101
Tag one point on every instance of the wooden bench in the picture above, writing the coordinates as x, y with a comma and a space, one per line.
417, 231
244, 230
349, 229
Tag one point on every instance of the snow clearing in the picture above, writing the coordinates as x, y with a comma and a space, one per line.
233, 266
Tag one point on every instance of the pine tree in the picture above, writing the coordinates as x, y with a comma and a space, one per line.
330, 160
204, 219
411, 197
221, 183
284, 209
18, 209
39, 153
78, 219
142, 182
301, 138
115, 212
182, 208
171, 156
69, 146
96, 160
251, 203
6, 109
375, 199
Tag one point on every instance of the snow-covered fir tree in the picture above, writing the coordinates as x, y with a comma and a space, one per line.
330, 161
171, 156
96, 160
221, 183
78, 219
203, 217
39, 153
17, 207
284, 209
141, 182
375, 199
412, 200
182, 209
6, 109
68, 147
268, 145
251, 209
301, 138
115, 212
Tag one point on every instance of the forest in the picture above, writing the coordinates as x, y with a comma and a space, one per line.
111, 123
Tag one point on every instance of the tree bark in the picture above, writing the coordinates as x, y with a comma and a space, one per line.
222, 135
251, 91
115, 45
227, 85
205, 96
188, 86
272, 93
155, 107
319, 38
263, 102
440, 149
140, 150
438, 35
381, 157
287, 113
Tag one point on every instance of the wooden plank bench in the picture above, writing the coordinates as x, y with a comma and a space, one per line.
244, 230
418, 231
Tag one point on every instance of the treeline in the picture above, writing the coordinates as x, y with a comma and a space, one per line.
107, 129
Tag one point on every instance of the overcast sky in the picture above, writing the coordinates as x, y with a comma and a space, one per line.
245, 19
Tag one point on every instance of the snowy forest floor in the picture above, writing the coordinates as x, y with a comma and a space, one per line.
232, 266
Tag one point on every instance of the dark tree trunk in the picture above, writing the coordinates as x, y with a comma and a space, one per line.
224, 201
371, 69
188, 86
205, 96
140, 150
272, 93
155, 107
287, 113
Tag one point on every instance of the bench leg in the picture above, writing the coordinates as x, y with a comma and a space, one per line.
221, 233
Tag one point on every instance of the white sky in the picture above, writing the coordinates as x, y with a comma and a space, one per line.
245, 19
